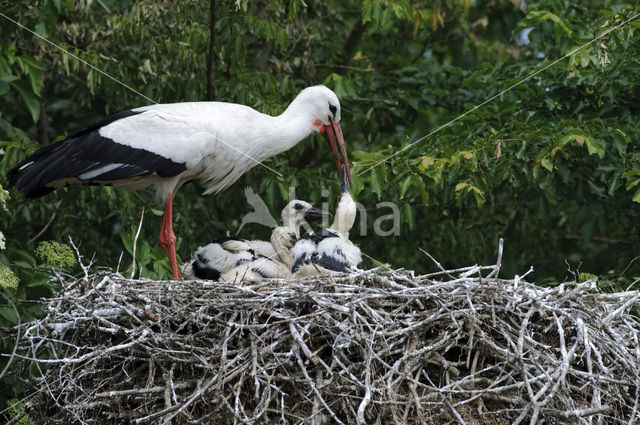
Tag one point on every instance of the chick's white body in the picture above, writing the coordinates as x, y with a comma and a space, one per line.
234, 260
329, 250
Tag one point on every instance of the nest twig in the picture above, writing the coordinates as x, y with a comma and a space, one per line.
380, 346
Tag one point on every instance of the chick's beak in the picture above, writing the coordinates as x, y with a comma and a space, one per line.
333, 133
314, 214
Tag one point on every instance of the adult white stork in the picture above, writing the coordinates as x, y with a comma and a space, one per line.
230, 258
329, 250
167, 145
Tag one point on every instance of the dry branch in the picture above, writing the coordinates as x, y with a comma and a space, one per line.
380, 346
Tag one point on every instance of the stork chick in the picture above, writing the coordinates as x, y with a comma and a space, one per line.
329, 250
228, 258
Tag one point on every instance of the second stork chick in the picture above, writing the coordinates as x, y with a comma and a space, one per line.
230, 259
329, 250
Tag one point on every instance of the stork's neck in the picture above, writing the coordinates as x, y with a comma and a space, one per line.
292, 224
287, 129
279, 134
345, 215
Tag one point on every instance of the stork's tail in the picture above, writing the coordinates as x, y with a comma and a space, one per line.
86, 157
27, 176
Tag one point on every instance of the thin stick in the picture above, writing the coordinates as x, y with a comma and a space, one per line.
46, 226
135, 244
496, 269
369, 347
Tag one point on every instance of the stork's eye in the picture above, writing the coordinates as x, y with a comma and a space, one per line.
298, 206
333, 109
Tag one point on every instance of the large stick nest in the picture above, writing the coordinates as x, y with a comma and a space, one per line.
380, 346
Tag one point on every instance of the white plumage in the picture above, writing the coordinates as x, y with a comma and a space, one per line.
167, 145
329, 250
231, 259
257, 268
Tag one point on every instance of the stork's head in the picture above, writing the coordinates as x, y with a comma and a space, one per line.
324, 107
297, 213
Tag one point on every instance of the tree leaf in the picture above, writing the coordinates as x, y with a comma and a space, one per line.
595, 146
620, 141
477, 193
357, 184
422, 189
614, 184
33, 69
4, 87
29, 99
9, 315
427, 161
636, 196
127, 241
404, 185
378, 175
409, 213
547, 164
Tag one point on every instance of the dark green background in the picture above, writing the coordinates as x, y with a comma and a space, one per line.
552, 165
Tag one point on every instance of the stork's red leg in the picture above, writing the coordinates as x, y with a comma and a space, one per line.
167, 238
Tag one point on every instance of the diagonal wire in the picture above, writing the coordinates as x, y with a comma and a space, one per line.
77, 58
18, 402
571, 53
127, 86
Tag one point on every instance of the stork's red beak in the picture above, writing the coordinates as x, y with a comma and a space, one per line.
333, 133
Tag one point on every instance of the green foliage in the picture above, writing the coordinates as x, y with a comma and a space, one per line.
14, 408
551, 164
4, 197
22, 284
54, 253
7, 278
150, 259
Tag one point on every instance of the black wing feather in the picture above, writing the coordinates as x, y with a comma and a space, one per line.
202, 271
330, 263
326, 261
86, 151
300, 261
320, 235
